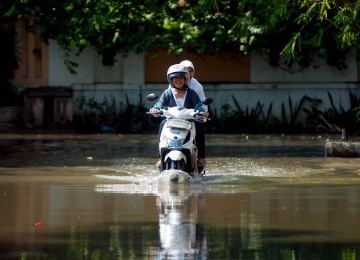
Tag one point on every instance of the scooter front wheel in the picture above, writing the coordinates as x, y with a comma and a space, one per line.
168, 165
174, 165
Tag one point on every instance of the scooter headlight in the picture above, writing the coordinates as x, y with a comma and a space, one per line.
175, 144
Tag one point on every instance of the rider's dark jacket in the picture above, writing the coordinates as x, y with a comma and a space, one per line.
192, 100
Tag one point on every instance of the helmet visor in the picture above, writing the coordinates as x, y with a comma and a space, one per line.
177, 74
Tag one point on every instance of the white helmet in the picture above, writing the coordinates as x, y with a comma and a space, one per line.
178, 70
188, 64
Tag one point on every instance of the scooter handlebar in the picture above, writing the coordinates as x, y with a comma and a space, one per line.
155, 113
201, 117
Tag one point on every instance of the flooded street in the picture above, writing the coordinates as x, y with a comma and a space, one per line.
101, 197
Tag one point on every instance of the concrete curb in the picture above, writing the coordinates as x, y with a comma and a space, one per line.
342, 149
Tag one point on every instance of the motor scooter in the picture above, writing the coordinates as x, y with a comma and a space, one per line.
177, 145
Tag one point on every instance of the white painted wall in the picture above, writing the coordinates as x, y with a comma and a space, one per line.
58, 73
319, 72
104, 74
268, 85
89, 71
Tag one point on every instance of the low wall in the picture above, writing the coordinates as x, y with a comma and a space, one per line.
246, 95
48, 107
342, 149
10, 114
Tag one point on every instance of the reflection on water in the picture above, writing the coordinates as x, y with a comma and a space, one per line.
100, 197
181, 235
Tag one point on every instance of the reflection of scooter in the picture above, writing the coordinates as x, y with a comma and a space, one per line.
180, 235
177, 147
181, 210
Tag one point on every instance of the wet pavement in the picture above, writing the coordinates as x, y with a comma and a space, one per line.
101, 197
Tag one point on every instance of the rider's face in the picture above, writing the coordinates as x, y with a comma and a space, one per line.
178, 81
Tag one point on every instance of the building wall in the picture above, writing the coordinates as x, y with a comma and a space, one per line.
89, 70
33, 58
318, 73
223, 68
248, 80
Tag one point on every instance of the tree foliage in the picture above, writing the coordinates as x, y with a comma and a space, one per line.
285, 31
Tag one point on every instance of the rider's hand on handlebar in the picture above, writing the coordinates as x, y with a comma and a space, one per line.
205, 114
154, 112
202, 114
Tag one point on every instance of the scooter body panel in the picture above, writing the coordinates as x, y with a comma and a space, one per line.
177, 145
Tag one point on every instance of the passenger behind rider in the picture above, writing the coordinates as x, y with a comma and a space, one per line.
195, 85
182, 96
193, 82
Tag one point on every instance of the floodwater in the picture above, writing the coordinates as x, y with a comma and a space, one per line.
101, 197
